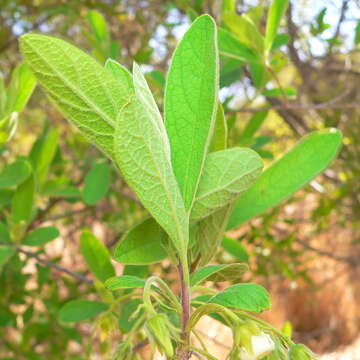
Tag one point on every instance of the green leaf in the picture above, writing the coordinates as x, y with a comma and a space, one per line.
226, 175
126, 318
191, 102
219, 140
299, 166
124, 282
97, 183
120, 73
98, 26
23, 201
258, 75
142, 153
43, 153
276, 12
218, 273
97, 256
141, 245
245, 31
357, 33
4, 233
15, 174
230, 46
22, 85
248, 297
234, 248
41, 236
85, 92
5, 254
254, 124
80, 310
210, 233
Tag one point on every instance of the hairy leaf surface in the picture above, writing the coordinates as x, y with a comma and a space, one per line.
86, 93
124, 282
226, 175
142, 154
190, 103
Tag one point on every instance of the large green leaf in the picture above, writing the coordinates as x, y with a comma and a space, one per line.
85, 92
277, 10
120, 73
287, 175
80, 310
141, 245
223, 272
235, 248
96, 256
226, 175
41, 236
97, 183
190, 103
143, 156
14, 174
247, 297
124, 282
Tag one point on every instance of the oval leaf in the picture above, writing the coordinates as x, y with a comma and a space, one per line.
217, 273
85, 92
124, 282
41, 236
96, 183
287, 175
142, 244
15, 174
226, 175
80, 310
190, 103
247, 297
96, 256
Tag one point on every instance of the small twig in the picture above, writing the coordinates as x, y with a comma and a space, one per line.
54, 266
67, 214
140, 345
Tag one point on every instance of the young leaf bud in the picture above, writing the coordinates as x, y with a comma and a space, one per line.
157, 326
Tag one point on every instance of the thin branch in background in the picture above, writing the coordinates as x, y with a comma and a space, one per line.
52, 265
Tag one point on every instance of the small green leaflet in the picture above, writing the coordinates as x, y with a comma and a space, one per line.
80, 310
43, 153
210, 233
141, 245
15, 174
223, 272
5, 254
97, 183
126, 318
226, 175
230, 46
124, 282
142, 154
311, 155
96, 256
85, 92
276, 12
191, 102
22, 201
4, 233
41, 236
248, 297
219, 140
234, 248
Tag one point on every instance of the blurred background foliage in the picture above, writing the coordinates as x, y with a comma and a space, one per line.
306, 252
